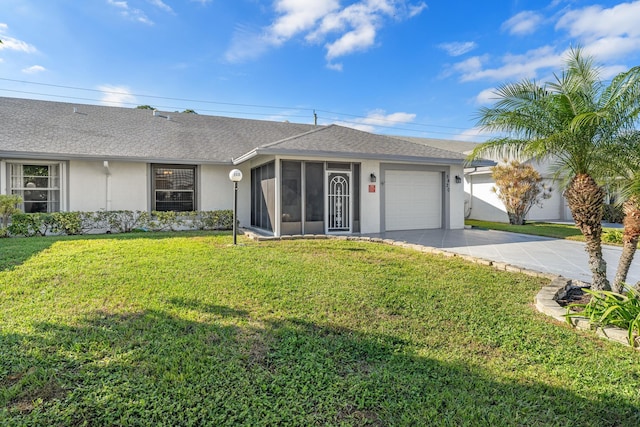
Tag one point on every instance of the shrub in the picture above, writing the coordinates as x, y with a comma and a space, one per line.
519, 187
8, 207
124, 221
29, 225
74, 222
608, 308
164, 220
217, 220
612, 236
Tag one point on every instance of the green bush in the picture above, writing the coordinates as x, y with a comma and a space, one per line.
29, 225
165, 220
124, 221
8, 207
612, 236
121, 221
611, 309
217, 220
71, 223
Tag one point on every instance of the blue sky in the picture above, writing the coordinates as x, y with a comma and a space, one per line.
406, 67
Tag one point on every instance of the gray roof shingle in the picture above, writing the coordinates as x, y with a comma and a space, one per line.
31, 127
340, 141
46, 129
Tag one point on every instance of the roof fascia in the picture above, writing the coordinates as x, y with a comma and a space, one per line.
351, 155
24, 155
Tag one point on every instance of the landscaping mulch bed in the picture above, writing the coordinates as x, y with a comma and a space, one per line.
574, 295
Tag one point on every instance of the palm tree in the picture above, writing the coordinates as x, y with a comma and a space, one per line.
574, 121
627, 179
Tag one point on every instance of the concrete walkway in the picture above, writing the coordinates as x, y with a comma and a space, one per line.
547, 255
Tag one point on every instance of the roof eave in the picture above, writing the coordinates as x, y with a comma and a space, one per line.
351, 155
25, 155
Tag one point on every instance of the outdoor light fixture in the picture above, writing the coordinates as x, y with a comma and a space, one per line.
458, 179
372, 177
235, 176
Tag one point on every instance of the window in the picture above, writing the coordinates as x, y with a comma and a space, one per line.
174, 188
263, 199
38, 185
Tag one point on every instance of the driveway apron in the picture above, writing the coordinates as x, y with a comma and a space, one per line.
563, 257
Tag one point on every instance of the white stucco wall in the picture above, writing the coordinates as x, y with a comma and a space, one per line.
486, 206
456, 199
88, 186
369, 202
482, 203
216, 190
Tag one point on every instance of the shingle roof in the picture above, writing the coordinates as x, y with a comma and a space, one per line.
464, 147
33, 128
347, 142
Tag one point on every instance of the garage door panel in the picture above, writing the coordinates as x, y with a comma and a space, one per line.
413, 200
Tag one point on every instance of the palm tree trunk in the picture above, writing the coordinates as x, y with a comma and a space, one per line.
630, 239
586, 199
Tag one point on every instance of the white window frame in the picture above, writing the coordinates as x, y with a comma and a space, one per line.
60, 187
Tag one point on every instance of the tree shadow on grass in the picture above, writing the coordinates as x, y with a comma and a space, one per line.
17, 250
156, 368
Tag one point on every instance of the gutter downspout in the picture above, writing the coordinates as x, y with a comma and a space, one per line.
468, 214
107, 172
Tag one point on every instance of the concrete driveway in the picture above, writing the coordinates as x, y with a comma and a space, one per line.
563, 257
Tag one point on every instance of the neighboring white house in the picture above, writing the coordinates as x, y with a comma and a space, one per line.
482, 203
298, 178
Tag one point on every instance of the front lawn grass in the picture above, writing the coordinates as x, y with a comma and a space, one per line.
186, 329
546, 229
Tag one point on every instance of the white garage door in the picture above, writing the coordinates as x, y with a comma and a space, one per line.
413, 200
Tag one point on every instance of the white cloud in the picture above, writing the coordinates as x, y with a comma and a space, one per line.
458, 48
594, 22
486, 97
378, 118
607, 34
130, 13
611, 35
34, 69
161, 5
119, 4
472, 135
246, 44
417, 9
523, 23
608, 72
513, 66
116, 96
334, 66
343, 30
11, 43
611, 48
298, 16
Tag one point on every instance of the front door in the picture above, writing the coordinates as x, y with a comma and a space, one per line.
339, 212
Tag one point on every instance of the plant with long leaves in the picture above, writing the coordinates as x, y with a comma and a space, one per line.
608, 308
574, 122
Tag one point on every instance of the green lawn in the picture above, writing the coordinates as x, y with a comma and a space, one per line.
547, 229
186, 329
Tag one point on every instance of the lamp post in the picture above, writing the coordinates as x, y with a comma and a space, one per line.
235, 176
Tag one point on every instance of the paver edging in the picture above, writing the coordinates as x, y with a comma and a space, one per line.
545, 301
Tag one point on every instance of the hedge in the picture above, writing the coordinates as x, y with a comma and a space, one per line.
123, 221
